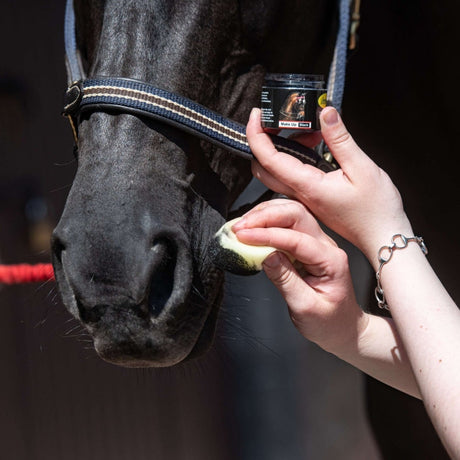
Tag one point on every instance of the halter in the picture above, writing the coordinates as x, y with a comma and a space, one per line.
139, 98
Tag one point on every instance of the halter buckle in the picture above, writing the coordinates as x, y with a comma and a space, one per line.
72, 99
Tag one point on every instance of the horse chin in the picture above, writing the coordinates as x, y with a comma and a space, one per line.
125, 338
131, 336
149, 348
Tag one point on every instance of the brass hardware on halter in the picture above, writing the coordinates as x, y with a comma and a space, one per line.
74, 129
327, 156
355, 20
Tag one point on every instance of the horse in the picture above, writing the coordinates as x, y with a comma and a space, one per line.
294, 107
130, 250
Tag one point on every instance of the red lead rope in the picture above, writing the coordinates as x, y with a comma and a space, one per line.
24, 273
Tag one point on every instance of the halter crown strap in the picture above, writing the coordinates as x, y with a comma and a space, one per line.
336, 80
73, 66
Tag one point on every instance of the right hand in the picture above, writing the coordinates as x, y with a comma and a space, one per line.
317, 287
358, 201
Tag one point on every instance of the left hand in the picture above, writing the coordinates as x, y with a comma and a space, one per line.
319, 292
357, 201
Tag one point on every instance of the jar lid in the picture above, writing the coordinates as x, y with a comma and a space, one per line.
295, 79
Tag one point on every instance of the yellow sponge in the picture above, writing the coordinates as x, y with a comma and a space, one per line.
230, 254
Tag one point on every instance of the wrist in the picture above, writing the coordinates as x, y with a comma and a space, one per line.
382, 236
348, 347
398, 242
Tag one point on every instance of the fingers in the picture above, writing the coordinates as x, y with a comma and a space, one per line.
311, 251
309, 139
287, 280
280, 213
273, 213
342, 146
258, 140
271, 181
279, 171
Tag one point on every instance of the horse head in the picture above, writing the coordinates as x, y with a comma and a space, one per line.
294, 107
130, 250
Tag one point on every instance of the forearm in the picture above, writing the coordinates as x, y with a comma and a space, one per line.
379, 352
428, 322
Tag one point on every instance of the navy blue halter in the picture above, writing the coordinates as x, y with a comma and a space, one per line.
139, 98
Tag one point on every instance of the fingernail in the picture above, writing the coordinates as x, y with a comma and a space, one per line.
254, 113
239, 225
273, 260
330, 116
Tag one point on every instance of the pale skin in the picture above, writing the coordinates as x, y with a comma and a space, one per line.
417, 350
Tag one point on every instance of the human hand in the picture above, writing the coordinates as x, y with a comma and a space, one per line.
358, 201
318, 287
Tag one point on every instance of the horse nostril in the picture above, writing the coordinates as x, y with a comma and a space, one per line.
57, 247
60, 239
163, 275
91, 314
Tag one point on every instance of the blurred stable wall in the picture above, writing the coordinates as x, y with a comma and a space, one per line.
401, 107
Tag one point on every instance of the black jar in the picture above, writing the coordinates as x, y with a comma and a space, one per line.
292, 101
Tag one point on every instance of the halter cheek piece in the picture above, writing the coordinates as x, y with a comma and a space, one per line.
142, 99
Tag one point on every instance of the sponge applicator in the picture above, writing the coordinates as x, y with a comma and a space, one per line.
230, 254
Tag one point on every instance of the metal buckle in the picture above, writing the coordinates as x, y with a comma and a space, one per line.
72, 98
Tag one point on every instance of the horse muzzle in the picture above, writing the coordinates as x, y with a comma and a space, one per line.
137, 303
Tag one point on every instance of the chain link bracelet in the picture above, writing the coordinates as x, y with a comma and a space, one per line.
398, 241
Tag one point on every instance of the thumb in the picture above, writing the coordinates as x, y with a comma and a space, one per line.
342, 146
284, 276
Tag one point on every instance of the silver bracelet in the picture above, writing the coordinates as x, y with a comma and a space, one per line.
398, 241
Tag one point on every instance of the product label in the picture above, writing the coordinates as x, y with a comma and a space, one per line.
291, 108
294, 124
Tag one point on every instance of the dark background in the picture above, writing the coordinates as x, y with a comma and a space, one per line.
401, 104
263, 392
